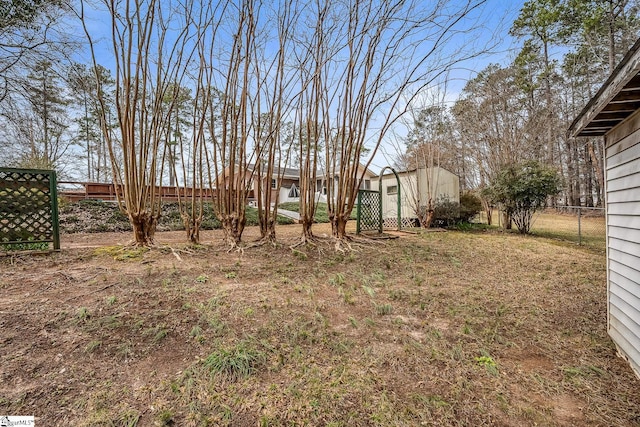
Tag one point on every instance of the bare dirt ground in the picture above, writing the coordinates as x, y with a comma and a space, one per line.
286, 233
439, 329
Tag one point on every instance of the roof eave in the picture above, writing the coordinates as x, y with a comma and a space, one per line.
628, 68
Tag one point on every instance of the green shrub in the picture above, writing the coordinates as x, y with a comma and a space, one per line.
445, 212
521, 189
24, 246
95, 216
470, 206
448, 213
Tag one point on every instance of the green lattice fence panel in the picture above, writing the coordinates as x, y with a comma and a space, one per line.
28, 209
369, 211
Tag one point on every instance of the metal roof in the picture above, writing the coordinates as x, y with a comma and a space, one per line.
617, 99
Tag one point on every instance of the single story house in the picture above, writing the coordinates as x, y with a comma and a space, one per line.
289, 180
614, 113
289, 185
367, 178
417, 186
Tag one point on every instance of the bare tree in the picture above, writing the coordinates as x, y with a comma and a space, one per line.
151, 46
429, 145
493, 115
352, 65
230, 81
391, 52
31, 31
81, 83
185, 157
275, 84
35, 121
314, 51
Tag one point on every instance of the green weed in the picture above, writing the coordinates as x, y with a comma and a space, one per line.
83, 314
93, 346
165, 418
487, 361
203, 278
196, 334
337, 280
369, 291
128, 418
383, 309
120, 253
300, 255
583, 371
235, 362
347, 295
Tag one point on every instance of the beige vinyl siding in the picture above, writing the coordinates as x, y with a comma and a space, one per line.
440, 184
622, 174
415, 188
390, 200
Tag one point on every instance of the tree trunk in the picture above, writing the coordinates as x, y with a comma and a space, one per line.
576, 177
192, 228
307, 233
488, 210
339, 226
268, 230
571, 162
612, 37
429, 217
507, 222
426, 217
233, 228
144, 228
588, 178
597, 163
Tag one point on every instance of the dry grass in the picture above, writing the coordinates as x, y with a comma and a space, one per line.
440, 329
591, 231
565, 227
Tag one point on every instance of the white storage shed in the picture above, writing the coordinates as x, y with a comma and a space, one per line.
416, 186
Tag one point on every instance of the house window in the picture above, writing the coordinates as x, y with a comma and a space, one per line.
367, 184
392, 189
293, 192
274, 183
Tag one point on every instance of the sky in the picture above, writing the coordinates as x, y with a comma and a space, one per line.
495, 18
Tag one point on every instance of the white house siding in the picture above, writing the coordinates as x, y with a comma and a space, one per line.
622, 174
283, 196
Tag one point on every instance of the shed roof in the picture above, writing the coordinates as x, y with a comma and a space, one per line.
617, 99
408, 171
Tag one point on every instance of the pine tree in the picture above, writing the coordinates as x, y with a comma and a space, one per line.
48, 102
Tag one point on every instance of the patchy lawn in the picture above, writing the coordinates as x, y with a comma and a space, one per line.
321, 215
439, 329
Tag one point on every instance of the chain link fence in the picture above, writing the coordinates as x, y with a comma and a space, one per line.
581, 225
